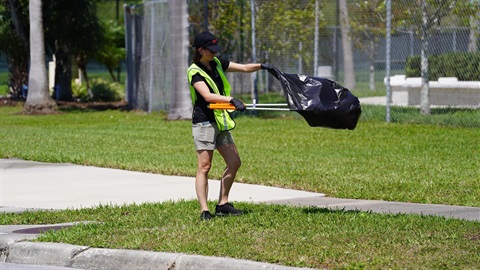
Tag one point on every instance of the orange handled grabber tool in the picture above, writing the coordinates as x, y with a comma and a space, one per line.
264, 107
221, 106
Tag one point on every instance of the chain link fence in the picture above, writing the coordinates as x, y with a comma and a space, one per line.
148, 83
434, 62
347, 41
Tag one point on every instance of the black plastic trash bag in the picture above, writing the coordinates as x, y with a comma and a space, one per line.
322, 102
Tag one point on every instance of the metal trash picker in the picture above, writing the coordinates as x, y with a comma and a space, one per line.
251, 106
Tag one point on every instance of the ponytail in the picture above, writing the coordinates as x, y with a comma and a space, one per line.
196, 56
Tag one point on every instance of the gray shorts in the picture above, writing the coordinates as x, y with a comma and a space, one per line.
207, 136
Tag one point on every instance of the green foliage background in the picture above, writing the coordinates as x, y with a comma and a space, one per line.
463, 65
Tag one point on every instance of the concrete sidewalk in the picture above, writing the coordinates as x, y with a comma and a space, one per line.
34, 185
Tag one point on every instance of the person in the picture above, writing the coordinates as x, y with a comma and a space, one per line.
211, 128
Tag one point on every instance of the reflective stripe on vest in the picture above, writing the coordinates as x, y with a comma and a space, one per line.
223, 119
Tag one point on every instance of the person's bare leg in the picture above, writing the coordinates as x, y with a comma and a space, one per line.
233, 163
204, 158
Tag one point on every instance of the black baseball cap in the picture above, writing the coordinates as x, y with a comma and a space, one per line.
207, 40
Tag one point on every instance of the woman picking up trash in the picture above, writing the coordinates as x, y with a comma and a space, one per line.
211, 128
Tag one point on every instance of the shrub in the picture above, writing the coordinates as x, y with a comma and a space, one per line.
101, 90
413, 66
463, 65
79, 91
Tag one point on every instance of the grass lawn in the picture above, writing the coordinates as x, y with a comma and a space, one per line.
377, 160
397, 162
303, 236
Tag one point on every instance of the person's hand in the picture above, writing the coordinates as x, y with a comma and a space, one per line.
267, 66
239, 106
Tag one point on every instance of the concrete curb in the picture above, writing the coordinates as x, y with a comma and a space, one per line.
84, 257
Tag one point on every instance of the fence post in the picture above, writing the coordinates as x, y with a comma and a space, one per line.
387, 60
254, 54
129, 80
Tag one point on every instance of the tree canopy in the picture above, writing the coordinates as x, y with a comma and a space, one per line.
73, 33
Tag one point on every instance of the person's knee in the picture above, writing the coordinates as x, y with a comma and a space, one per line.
235, 164
204, 168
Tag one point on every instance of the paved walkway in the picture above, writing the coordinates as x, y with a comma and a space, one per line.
35, 185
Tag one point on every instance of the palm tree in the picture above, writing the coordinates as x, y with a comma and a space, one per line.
38, 98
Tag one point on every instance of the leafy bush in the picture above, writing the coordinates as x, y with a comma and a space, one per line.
101, 90
79, 91
463, 65
413, 66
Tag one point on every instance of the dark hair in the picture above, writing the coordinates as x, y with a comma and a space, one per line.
196, 56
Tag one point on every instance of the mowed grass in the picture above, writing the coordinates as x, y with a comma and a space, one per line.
293, 236
398, 162
377, 160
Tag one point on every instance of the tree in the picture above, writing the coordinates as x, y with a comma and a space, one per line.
286, 31
72, 29
432, 14
368, 28
226, 20
112, 52
474, 27
349, 80
38, 99
424, 94
14, 45
72, 32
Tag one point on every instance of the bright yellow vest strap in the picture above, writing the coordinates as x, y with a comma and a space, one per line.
226, 85
222, 117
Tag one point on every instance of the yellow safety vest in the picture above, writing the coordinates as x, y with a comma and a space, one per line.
222, 117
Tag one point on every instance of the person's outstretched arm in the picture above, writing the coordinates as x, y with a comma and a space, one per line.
236, 67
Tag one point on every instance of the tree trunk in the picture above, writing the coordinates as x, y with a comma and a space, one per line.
81, 60
112, 74
474, 32
349, 80
181, 104
38, 98
372, 49
63, 73
424, 94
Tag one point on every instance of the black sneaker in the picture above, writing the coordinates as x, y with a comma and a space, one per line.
206, 215
227, 209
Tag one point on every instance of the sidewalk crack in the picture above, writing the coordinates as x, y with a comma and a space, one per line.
75, 252
172, 266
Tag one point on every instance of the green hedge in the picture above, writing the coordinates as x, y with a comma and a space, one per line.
101, 90
463, 65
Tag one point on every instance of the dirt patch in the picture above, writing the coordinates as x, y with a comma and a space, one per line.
99, 106
474, 237
10, 102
